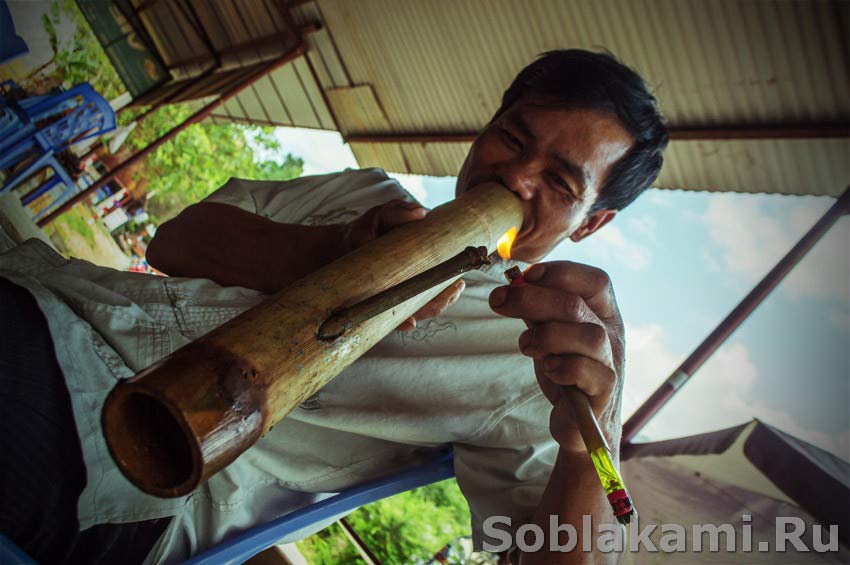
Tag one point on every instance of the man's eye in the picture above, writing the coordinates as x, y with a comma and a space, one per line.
558, 180
511, 138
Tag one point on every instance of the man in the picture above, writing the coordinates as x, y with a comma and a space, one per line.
577, 138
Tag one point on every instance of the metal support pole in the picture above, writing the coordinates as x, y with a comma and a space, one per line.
358, 543
695, 360
170, 134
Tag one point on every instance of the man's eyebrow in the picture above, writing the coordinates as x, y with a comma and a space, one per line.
517, 121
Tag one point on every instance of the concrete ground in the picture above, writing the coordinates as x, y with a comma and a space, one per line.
77, 234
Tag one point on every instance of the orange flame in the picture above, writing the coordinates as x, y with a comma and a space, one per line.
503, 246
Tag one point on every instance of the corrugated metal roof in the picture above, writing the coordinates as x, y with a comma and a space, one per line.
437, 65
189, 34
286, 97
404, 66
442, 66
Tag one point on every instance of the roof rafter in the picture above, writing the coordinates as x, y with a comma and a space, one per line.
677, 133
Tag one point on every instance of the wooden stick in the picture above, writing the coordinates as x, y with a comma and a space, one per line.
467, 260
192, 413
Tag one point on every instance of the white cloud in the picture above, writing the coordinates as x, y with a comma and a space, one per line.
658, 198
644, 225
414, 184
613, 244
752, 241
840, 319
720, 395
711, 263
322, 151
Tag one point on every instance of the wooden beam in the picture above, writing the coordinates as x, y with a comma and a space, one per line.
801, 131
677, 133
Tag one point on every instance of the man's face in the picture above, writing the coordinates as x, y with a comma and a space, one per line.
555, 160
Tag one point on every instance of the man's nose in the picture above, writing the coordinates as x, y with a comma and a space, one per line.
520, 179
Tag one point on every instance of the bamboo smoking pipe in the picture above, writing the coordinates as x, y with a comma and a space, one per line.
192, 413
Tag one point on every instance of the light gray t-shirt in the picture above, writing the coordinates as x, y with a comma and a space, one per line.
457, 379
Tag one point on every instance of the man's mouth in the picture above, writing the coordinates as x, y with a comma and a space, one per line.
527, 222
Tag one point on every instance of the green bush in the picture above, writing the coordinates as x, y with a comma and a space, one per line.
407, 528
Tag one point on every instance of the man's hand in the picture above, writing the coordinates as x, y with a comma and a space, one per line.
379, 220
575, 337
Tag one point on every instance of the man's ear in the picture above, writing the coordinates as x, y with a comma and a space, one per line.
593, 222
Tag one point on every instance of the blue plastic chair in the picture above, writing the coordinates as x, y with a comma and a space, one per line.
258, 538
60, 175
11, 554
15, 125
247, 544
90, 116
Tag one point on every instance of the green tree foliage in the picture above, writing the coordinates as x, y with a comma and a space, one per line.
202, 158
407, 528
190, 166
77, 56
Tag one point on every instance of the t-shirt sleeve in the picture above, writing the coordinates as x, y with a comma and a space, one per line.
235, 192
312, 200
504, 471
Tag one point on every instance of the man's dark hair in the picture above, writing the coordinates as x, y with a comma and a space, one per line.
575, 78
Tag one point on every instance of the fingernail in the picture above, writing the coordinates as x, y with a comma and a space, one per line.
534, 272
525, 339
550, 364
498, 296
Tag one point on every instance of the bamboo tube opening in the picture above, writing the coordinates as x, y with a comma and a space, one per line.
153, 448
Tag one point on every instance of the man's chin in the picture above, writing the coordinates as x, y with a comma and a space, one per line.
523, 256
526, 255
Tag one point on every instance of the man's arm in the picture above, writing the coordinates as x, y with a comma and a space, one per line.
234, 247
575, 337
573, 492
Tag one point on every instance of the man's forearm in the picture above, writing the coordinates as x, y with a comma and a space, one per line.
237, 248
573, 492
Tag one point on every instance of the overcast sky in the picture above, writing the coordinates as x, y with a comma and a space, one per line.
680, 261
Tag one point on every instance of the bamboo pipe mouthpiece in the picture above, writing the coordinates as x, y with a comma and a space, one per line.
192, 413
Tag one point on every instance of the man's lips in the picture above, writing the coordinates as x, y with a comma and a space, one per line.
527, 226
527, 216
